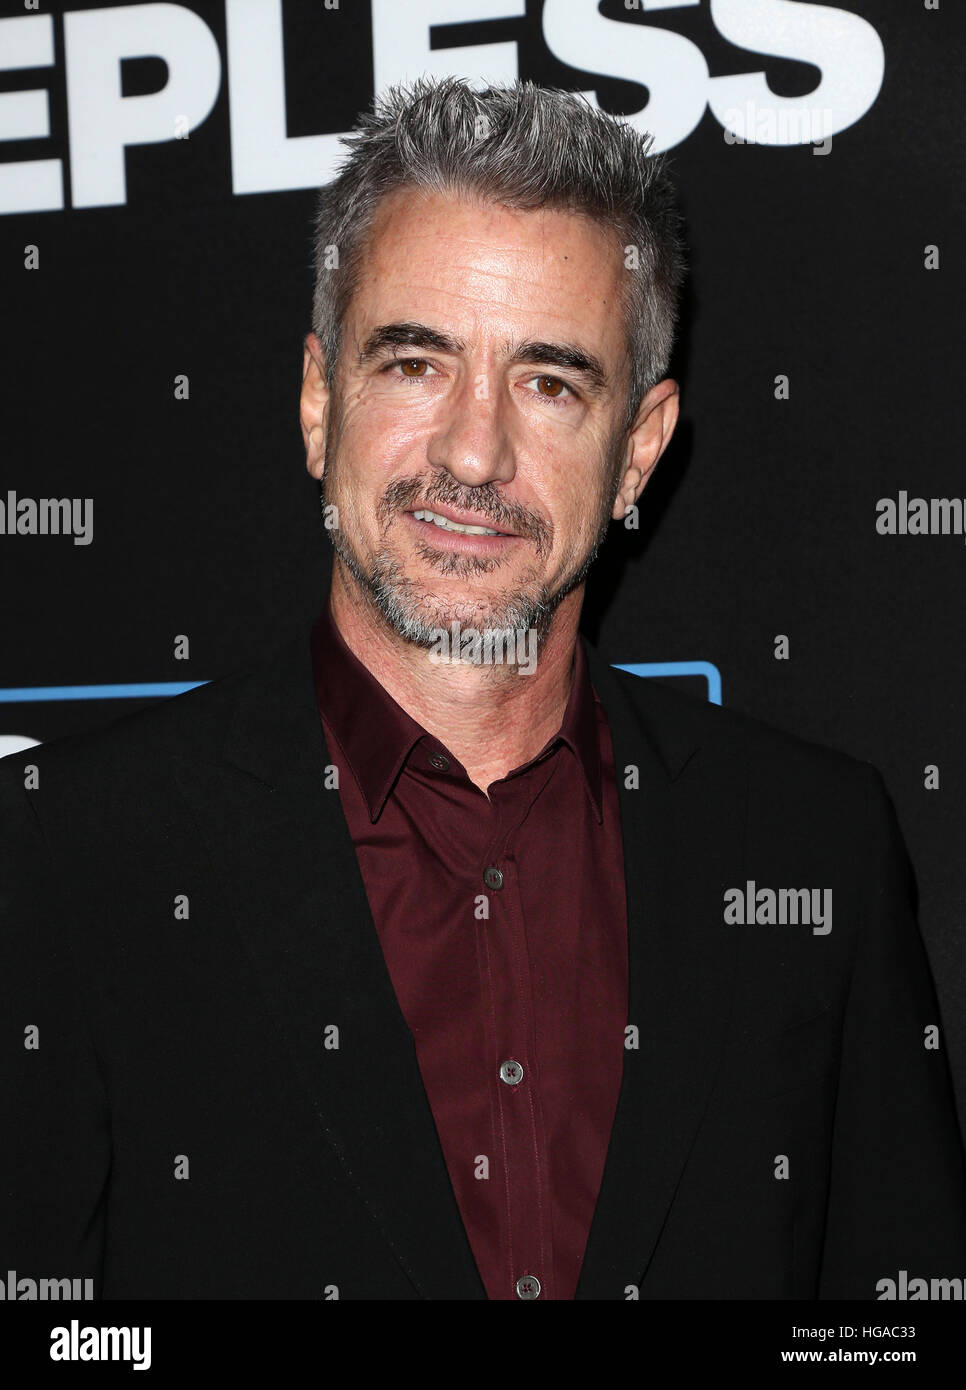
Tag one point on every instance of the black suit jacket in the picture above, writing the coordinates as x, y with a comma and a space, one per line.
183, 918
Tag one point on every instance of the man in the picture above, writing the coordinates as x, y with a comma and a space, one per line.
435, 958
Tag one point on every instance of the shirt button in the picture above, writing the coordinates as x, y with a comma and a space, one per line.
511, 1073
528, 1286
492, 878
438, 761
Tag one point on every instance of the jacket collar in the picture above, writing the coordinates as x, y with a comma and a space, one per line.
278, 706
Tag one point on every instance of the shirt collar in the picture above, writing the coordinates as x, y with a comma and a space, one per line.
355, 705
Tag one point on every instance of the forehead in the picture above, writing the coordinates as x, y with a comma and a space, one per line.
473, 267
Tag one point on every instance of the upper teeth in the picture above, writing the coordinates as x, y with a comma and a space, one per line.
448, 525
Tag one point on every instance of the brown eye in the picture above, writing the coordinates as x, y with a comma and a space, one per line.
416, 362
553, 384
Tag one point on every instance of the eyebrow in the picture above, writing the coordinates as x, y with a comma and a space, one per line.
417, 335
568, 356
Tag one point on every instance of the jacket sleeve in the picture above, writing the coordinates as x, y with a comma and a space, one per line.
56, 1149
897, 1197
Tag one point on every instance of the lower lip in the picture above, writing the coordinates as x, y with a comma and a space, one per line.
458, 540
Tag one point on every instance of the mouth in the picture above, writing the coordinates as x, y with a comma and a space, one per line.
453, 533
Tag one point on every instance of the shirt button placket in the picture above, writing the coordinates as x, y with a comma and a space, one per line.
511, 1073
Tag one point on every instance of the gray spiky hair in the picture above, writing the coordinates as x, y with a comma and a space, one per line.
524, 147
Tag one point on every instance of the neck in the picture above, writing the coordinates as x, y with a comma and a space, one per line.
492, 718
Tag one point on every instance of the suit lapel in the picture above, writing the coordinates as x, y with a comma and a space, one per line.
280, 845
680, 854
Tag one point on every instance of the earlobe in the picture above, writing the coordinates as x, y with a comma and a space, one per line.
315, 451
317, 443
632, 481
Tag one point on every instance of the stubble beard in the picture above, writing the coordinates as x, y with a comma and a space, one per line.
410, 607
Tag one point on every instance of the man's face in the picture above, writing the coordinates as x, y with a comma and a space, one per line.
482, 377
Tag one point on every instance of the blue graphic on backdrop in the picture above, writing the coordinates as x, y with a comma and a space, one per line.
29, 694
707, 669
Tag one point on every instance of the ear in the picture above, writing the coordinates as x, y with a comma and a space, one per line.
648, 438
314, 405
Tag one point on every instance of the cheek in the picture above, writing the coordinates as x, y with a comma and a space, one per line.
578, 501
378, 437
373, 448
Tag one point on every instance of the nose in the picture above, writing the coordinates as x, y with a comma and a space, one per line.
470, 438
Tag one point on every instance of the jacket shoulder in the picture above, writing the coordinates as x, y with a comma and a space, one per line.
132, 747
676, 717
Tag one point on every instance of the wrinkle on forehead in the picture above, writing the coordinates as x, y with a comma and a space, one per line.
571, 259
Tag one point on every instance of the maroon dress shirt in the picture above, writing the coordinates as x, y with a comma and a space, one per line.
503, 922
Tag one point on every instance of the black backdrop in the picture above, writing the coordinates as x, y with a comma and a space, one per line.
761, 519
